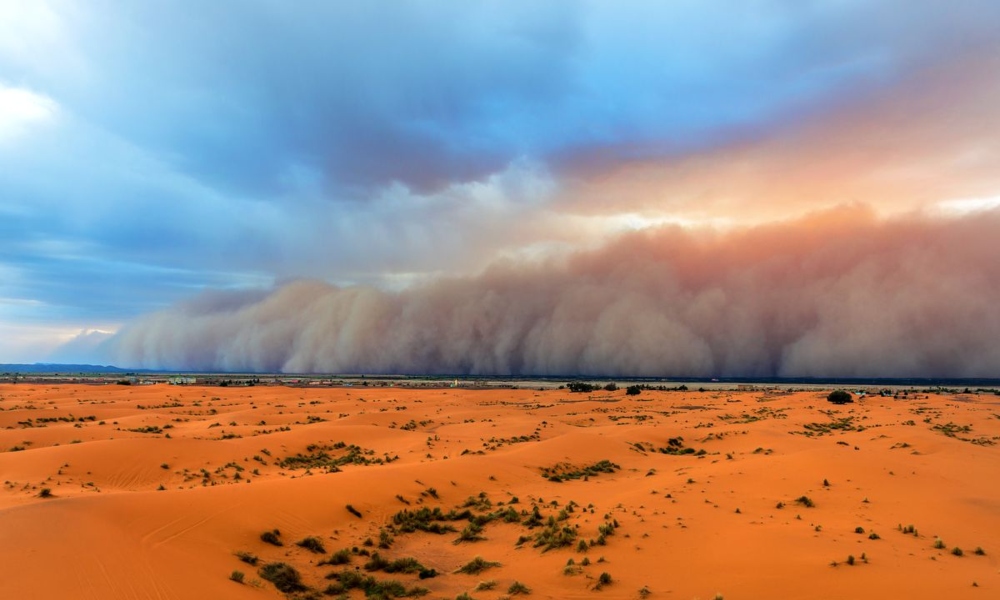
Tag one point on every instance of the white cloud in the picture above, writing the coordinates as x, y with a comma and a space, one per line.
22, 109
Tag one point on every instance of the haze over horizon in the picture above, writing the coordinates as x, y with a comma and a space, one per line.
683, 189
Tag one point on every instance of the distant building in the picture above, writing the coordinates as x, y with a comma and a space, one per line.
181, 380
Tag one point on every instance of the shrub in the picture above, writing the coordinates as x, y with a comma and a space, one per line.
957, 551
236, 576
859, 530
247, 557
283, 576
485, 586
939, 543
271, 537
805, 501
633, 390
604, 579
376, 562
353, 511
340, 557
406, 565
840, 397
518, 588
476, 566
874, 536
979, 551
850, 559
45, 493
312, 544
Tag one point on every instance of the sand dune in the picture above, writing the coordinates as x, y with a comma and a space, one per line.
153, 489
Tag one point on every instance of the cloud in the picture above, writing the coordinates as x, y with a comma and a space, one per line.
20, 110
838, 293
929, 138
162, 149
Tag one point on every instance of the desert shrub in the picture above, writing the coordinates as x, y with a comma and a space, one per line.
805, 501
340, 557
485, 586
476, 566
850, 559
633, 390
385, 539
284, 577
237, 576
471, 533
353, 511
404, 565
376, 563
874, 536
271, 537
247, 557
957, 551
45, 493
840, 397
518, 588
939, 543
979, 551
312, 544
604, 579
859, 530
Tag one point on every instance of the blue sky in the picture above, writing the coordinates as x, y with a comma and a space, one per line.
153, 150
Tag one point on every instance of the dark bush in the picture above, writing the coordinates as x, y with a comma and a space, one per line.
283, 576
840, 397
271, 537
312, 544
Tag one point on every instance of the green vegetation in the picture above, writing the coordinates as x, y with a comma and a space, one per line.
603, 580
840, 397
312, 544
284, 577
247, 557
237, 576
476, 566
562, 472
518, 588
330, 457
372, 587
271, 537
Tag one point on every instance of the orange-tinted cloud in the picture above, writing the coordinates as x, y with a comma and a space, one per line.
931, 138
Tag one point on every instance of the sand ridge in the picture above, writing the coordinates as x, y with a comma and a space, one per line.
674, 494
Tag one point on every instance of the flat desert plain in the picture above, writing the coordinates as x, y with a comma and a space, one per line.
168, 492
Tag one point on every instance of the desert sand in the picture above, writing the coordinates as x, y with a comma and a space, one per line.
152, 491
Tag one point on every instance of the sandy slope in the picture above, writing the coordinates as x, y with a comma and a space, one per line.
689, 525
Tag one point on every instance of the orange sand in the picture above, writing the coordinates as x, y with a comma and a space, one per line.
689, 526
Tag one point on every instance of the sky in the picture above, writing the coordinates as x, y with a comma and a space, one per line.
677, 188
